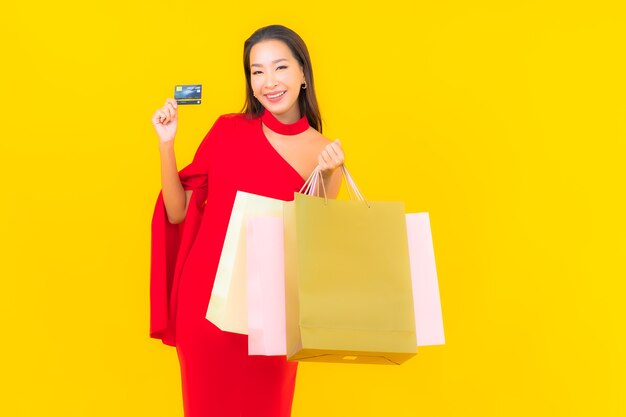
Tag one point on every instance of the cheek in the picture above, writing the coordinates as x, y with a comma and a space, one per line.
284, 76
256, 83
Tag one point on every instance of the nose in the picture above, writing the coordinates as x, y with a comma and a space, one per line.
270, 81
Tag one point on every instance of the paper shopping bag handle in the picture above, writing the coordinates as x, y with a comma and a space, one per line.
312, 185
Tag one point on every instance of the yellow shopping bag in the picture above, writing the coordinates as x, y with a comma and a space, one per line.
348, 280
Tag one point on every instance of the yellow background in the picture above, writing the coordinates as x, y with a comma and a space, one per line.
504, 120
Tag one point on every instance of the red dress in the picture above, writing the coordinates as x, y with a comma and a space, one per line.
218, 377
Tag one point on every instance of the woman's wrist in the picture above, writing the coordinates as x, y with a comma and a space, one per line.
328, 173
166, 146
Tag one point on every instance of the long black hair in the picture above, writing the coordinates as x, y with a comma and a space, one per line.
306, 100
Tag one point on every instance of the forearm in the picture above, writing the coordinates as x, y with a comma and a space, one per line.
174, 196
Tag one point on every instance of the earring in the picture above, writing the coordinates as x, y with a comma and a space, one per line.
304, 85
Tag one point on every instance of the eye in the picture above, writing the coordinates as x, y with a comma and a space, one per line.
256, 72
282, 66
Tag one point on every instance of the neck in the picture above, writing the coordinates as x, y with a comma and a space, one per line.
284, 128
286, 119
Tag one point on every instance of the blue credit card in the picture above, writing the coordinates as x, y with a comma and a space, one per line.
188, 94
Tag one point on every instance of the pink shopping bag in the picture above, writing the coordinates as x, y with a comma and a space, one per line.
266, 286
428, 317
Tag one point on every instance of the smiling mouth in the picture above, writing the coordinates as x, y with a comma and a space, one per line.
276, 95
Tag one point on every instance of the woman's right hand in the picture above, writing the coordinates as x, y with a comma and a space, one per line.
165, 121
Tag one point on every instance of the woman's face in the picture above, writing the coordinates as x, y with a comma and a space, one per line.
276, 78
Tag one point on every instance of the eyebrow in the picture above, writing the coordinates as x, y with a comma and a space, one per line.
273, 62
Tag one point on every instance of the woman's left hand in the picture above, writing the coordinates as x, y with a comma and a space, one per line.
331, 157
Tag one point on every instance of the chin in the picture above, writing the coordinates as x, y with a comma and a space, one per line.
279, 109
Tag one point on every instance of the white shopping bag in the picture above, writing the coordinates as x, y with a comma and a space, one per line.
228, 303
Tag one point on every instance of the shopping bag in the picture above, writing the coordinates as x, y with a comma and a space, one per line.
266, 286
266, 292
227, 307
348, 281
428, 317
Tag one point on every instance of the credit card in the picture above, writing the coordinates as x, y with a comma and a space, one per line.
188, 94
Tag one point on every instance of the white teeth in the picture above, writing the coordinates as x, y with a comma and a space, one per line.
277, 95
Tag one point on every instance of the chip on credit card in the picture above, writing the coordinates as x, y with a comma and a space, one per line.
188, 94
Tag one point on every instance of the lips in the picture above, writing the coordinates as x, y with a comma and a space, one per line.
275, 96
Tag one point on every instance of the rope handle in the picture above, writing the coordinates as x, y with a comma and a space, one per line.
311, 186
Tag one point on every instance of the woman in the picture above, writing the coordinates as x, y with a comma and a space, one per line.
268, 149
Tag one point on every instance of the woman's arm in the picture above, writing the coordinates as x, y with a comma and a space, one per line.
175, 198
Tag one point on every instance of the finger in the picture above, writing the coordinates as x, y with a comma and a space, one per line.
167, 109
329, 161
333, 157
171, 109
156, 117
327, 157
162, 117
172, 102
333, 151
340, 158
335, 148
322, 162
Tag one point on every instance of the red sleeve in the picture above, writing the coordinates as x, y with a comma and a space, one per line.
171, 242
